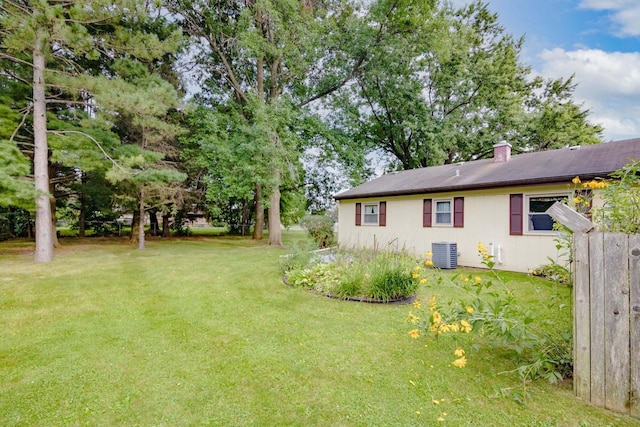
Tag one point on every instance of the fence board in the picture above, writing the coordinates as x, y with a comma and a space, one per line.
582, 331
616, 321
634, 324
596, 315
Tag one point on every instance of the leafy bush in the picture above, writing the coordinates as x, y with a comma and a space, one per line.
493, 313
392, 284
362, 274
320, 228
300, 256
555, 272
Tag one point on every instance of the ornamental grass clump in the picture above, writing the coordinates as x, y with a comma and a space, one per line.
366, 275
490, 311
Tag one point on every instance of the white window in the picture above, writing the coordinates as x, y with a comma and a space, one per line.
443, 212
371, 214
536, 207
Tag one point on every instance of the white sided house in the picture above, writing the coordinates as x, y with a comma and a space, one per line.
499, 202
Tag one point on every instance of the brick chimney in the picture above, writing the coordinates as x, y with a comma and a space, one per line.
501, 152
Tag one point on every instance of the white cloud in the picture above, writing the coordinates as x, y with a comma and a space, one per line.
624, 13
608, 84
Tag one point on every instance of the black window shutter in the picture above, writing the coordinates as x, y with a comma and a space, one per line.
358, 213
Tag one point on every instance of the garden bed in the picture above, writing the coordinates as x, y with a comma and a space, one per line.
362, 276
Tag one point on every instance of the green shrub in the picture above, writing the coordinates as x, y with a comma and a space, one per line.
554, 272
320, 228
492, 311
361, 274
349, 286
392, 284
300, 256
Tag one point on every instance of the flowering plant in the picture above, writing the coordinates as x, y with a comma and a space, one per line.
491, 313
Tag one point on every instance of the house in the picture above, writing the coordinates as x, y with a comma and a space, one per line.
499, 202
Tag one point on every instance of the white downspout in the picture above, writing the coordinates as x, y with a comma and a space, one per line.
496, 252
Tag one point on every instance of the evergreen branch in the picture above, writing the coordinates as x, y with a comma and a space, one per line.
95, 141
24, 119
15, 59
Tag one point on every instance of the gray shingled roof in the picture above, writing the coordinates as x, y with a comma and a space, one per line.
541, 167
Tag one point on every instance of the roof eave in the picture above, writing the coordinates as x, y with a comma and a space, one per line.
483, 186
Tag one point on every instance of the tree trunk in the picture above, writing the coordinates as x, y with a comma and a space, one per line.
166, 231
141, 219
44, 233
259, 227
153, 223
52, 201
135, 224
54, 234
275, 230
82, 218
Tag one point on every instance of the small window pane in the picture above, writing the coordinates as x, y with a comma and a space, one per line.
443, 212
371, 214
538, 220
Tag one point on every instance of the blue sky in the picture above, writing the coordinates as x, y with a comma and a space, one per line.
597, 40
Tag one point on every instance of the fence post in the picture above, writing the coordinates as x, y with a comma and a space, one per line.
634, 324
616, 321
596, 318
581, 318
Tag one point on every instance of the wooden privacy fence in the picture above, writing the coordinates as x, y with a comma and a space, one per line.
606, 304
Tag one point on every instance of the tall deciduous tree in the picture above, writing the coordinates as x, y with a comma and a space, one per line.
264, 56
48, 37
441, 84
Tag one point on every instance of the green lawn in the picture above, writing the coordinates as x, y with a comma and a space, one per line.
202, 331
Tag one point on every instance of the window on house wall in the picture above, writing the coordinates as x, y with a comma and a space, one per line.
536, 208
370, 213
443, 212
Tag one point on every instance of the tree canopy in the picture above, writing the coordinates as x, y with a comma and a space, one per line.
289, 101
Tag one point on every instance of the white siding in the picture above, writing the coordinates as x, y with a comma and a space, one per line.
486, 220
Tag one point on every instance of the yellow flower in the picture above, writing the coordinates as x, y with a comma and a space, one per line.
440, 419
412, 318
465, 326
437, 318
478, 280
423, 281
428, 263
429, 254
466, 279
576, 180
468, 309
432, 303
577, 200
416, 304
460, 363
415, 275
415, 333
417, 268
459, 352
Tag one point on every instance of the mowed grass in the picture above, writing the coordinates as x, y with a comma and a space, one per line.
203, 332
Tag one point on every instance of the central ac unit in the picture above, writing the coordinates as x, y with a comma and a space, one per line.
445, 254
